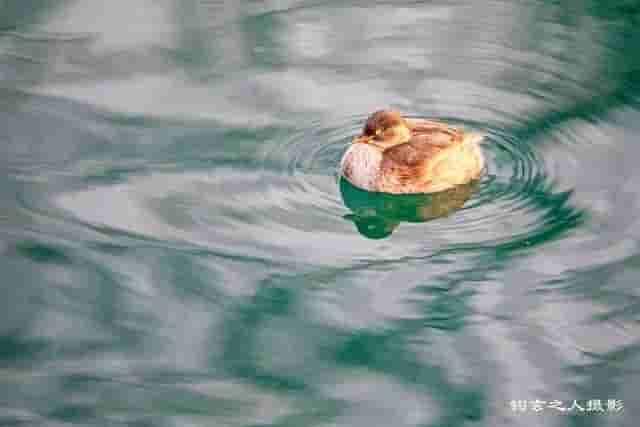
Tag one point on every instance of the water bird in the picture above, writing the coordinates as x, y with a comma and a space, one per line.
400, 155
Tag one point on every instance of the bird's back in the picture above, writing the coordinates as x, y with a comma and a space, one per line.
433, 160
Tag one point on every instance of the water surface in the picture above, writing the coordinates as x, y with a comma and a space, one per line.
178, 251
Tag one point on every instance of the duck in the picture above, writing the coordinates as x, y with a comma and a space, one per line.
399, 155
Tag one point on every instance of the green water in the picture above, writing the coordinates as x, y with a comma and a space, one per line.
177, 249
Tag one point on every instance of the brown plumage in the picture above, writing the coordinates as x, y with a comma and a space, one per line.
381, 120
396, 155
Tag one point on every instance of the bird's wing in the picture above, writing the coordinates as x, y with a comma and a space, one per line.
430, 160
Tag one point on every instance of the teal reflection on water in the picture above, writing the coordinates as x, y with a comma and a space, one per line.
376, 215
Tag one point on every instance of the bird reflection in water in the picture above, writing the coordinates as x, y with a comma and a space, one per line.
377, 215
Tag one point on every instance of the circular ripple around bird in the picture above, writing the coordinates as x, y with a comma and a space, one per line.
286, 203
514, 203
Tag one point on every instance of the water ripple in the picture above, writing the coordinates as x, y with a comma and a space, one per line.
178, 247
506, 205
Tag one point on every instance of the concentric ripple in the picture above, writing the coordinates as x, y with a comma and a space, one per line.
287, 203
513, 203
309, 156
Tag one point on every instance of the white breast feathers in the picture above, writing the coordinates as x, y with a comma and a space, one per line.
361, 165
